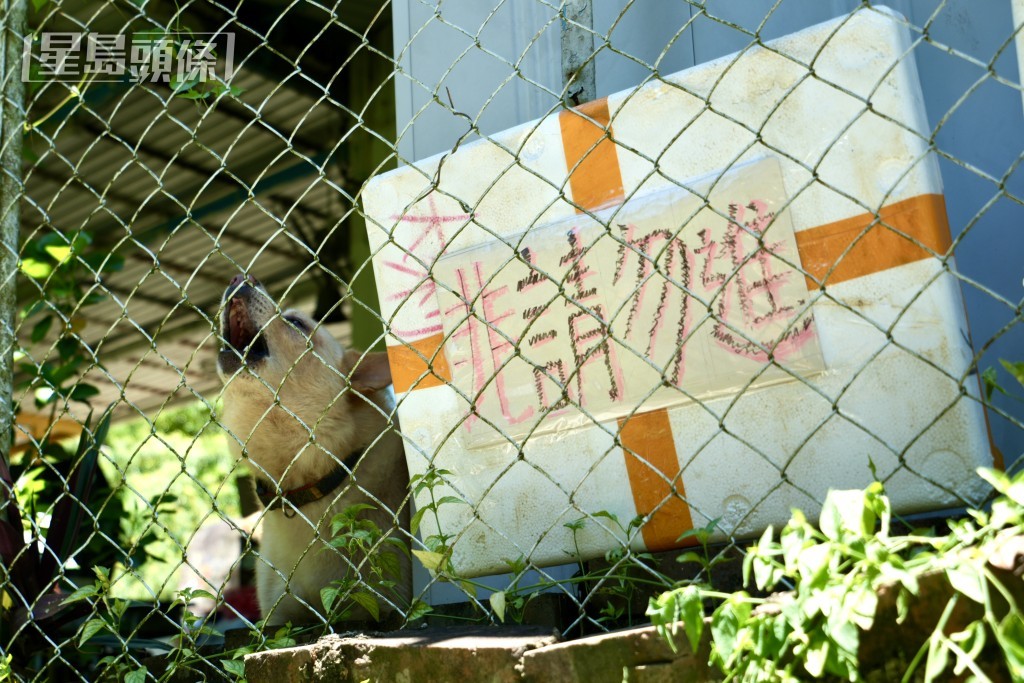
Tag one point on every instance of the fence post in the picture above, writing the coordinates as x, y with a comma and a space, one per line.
579, 72
11, 190
368, 154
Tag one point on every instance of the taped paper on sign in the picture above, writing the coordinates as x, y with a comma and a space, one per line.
678, 299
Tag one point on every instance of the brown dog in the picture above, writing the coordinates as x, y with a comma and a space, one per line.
318, 429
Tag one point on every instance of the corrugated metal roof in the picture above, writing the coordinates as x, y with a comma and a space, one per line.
189, 195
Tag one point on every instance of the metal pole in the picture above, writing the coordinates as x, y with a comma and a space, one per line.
11, 191
579, 73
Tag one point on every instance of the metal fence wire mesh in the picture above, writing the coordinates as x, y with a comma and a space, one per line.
670, 306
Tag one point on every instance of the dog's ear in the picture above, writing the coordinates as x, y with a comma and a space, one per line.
370, 371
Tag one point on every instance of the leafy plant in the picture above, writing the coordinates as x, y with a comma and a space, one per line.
232, 660
703, 558
63, 269
625, 574
106, 616
437, 558
33, 566
367, 546
614, 586
839, 571
195, 629
990, 379
438, 553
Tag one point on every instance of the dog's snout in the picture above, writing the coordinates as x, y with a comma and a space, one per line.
243, 279
241, 287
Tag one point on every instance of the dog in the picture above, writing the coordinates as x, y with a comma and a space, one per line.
317, 424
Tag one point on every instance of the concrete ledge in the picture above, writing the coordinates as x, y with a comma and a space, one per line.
458, 654
637, 654
491, 654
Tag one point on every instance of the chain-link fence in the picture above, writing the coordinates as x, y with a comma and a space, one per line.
643, 277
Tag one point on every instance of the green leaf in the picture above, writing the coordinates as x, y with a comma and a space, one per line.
1010, 635
497, 601
1000, 481
282, 638
369, 602
813, 565
34, 307
346, 519
845, 513
327, 596
103, 262
576, 525
118, 608
817, 655
59, 253
418, 610
103, 575
937, 659
691, 611
607, 515
193, 594
235, 667
766, 573
193, 94
414, 523
862, 604
691, 556
902, 604
389, 563
37, 270
399, 544
726, 624
450, 499
137, 676
82, 593
792, 541
878, 503
1016, 370
89, 629
182, 86
83, 392
969, 580
40, 329
701, 534
431, 560
990, 380
843, 632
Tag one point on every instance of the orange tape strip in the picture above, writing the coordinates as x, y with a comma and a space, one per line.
411, 365
590, 156
649, 436
922, 217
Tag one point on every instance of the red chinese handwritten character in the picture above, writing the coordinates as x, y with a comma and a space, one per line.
590, 344
414, 268
589, 336
734, 268
673, 303
753, 288
485, 339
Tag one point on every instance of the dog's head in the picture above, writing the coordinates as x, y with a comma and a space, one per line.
287, 352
